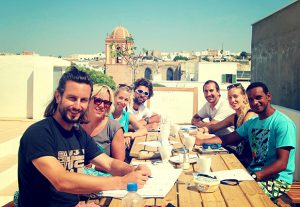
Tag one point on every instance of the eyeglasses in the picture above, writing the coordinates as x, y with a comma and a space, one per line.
211, 146
140, 91
99, 101
236, 85
123, 85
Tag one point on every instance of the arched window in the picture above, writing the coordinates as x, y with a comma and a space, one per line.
177, 74
170, 74
148, 74
118, 57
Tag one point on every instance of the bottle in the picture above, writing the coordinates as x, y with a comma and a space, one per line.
132, 198
184, 158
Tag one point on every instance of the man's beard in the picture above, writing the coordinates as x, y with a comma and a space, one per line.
63, 112
137, 101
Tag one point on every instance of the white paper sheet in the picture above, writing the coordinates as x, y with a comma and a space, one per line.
239, 174
164, 175
155, 143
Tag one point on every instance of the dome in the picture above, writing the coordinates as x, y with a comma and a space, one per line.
120, 33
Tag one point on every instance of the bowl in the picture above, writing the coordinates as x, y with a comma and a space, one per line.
206, 183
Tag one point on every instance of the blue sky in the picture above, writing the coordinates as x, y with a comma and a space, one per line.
63, 27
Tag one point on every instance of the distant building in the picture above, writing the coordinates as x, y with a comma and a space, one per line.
244, 71
27, 84
212, 52
27, 52
149, 66
118, 40
91, 61
86, 57
156, 53
185, 54
222, 72
117, 66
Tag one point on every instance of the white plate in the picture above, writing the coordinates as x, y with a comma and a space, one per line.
192, 158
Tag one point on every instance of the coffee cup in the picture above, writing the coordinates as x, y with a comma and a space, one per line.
164, 132
203, 164
174, 130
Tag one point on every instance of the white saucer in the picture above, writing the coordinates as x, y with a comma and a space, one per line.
192, 158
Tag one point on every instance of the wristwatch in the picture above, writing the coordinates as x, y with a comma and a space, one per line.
147, 120
254, 176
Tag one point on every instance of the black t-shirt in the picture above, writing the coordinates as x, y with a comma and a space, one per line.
73, 149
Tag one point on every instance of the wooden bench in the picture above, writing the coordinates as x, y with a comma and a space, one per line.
10, 204
292, 197
294, 193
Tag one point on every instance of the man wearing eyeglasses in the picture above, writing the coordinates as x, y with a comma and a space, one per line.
272, 137
143, 90
215, 109
53, 152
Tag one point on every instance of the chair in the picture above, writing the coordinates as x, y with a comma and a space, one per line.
10, 204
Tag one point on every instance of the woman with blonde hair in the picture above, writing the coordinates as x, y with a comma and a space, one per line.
122, 98
238, 101
107, 133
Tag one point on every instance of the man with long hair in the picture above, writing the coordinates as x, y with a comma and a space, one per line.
53, 152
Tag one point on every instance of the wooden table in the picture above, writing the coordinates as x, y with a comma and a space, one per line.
185, 194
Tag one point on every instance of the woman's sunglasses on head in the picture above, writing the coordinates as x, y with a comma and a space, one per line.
140, 91
123, 85
236, 85
99, 101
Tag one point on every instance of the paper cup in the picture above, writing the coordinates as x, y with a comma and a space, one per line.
164, 132
203, 164
174, 130
165, 152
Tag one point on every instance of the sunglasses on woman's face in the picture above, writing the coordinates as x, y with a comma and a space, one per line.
140, 91
99, 101
236, 85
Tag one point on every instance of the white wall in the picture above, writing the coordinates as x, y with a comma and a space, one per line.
191, 70
214, 71
13, 86
177, 105
26, 84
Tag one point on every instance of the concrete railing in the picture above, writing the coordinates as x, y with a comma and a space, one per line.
295, 116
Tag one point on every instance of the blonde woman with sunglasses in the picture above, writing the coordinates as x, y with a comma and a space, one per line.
122, 97
238, 101
107, 133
